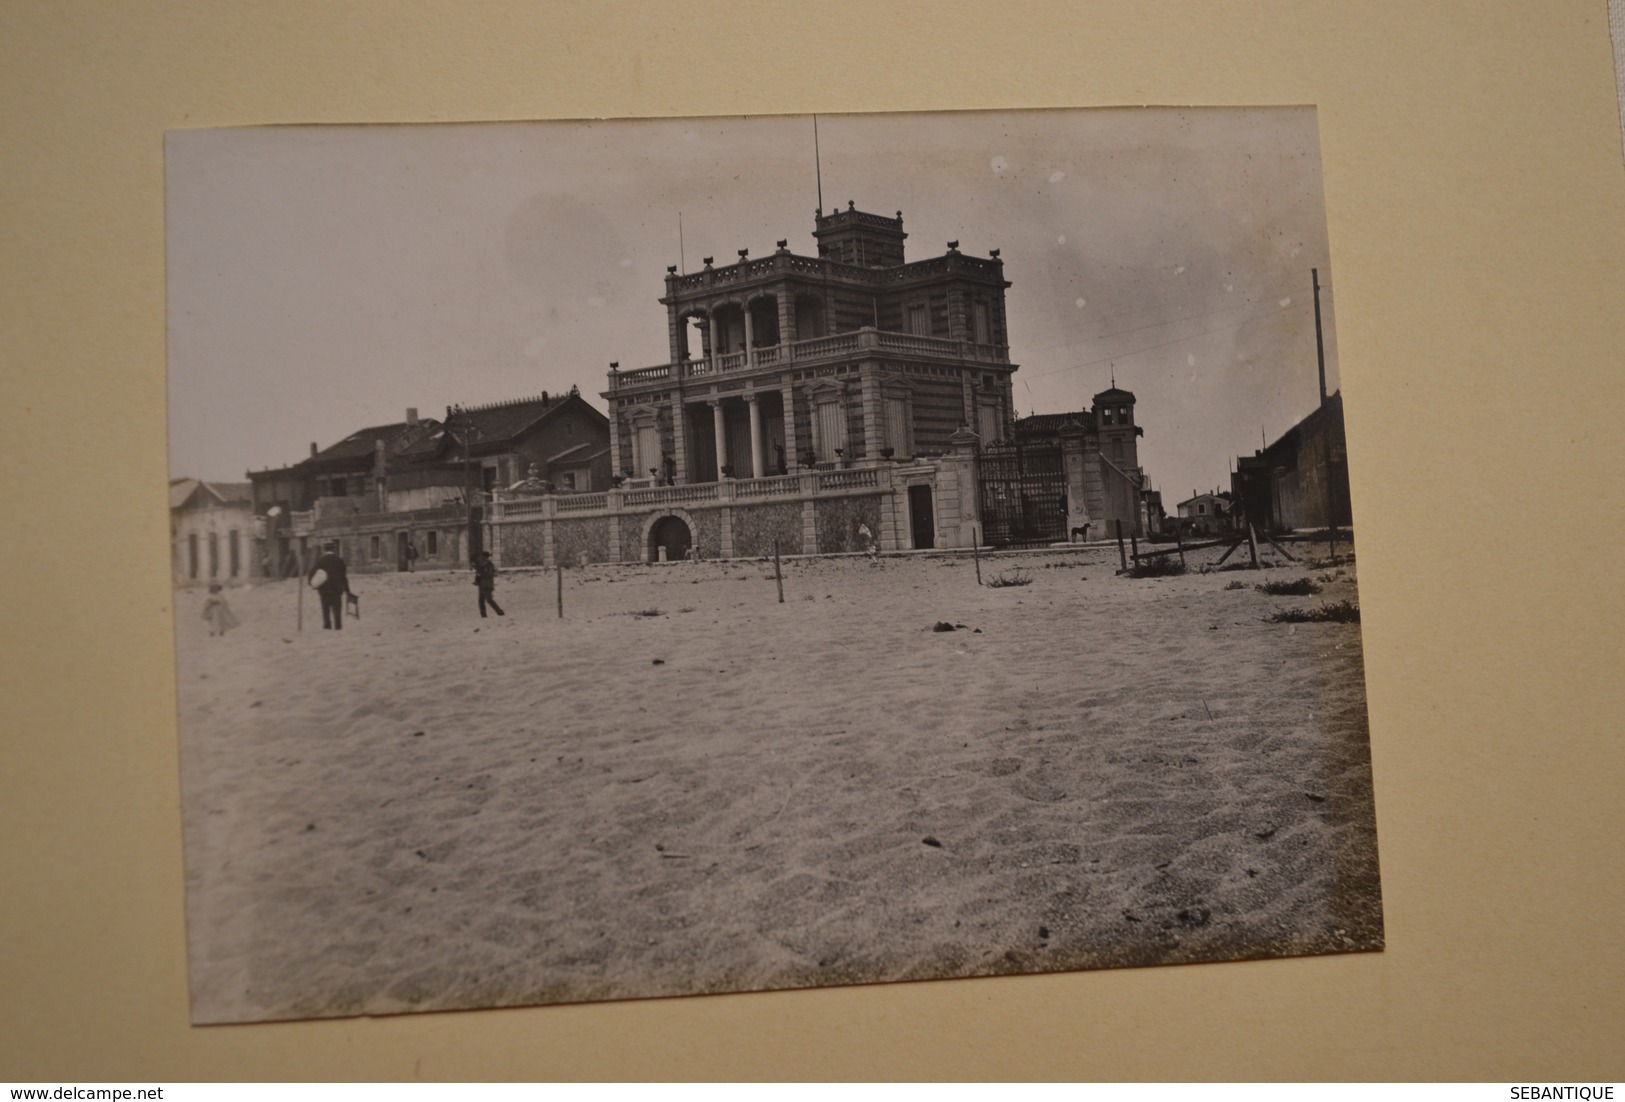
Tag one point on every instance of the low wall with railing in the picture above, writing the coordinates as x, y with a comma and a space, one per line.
813, 512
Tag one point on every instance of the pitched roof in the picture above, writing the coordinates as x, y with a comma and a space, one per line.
499, 423
398, 436
1049, 423
183, 490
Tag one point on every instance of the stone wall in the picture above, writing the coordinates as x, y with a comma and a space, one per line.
838, 520
755, 528
522, 544
811, 513
578, 535
708, 539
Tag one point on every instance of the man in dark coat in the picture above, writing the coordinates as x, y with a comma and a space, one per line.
335, 585
485, 576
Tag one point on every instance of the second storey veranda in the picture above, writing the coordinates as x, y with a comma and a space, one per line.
818, 403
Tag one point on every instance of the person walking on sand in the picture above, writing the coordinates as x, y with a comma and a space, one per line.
867, 538
333, 587
217, 612
485, 576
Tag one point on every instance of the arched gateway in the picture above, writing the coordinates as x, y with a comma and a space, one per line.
669, 539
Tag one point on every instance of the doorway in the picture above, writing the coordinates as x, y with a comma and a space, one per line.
669, 540
922, 524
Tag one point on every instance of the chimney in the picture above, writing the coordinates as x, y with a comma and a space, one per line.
411, 415
313, 449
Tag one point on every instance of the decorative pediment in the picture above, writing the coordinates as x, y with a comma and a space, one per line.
643, 414
826, 388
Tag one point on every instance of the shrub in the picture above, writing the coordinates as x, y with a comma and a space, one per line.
1237, 585
1163, 566
1343, 612
1293, 587
648, 612
1009, 578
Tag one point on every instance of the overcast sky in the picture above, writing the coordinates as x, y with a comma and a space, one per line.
322, 279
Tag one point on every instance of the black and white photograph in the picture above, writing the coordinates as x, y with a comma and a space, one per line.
640, 558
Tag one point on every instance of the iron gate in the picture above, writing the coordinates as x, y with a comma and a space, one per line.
1023, 493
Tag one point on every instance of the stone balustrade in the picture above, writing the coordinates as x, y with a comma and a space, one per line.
730, 275
813, 350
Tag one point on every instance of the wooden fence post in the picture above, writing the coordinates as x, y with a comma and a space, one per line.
1122, 555
976, 552
778, 578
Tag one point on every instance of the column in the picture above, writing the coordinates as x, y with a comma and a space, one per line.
792, 453
721, 432
1073, 440
757, 470
750, 338
614, 438
679, 443
787, 318
870, 392
716, 349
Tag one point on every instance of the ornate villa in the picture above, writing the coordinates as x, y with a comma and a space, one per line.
842, 402
789, 363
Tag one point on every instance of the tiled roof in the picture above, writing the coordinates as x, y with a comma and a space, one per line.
183, 490
398, 436
1047, 423
568, 452
500, 423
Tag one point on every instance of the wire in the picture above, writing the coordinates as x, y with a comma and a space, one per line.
1171, 321
1165, 344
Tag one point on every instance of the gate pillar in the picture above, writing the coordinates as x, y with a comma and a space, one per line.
958, 497
1073, 436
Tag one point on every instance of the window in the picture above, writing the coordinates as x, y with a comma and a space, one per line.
897, 425
377, 549
918, 320
235, 552
1202, 509
432, 548
1106, 415
983, 329
567, 480
214, 554
191, 555
829, 426
645, 450
987, 421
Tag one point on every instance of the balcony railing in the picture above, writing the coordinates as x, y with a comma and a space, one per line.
730, 275
816, 350
804, 484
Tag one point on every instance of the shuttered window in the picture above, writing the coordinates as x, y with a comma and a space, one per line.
897, 425
831, 426
645, 450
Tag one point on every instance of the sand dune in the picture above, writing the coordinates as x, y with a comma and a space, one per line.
429, 810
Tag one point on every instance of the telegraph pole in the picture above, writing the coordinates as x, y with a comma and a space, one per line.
1325, 420
1320, 343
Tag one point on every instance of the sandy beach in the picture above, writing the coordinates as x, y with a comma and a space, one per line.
685, 786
